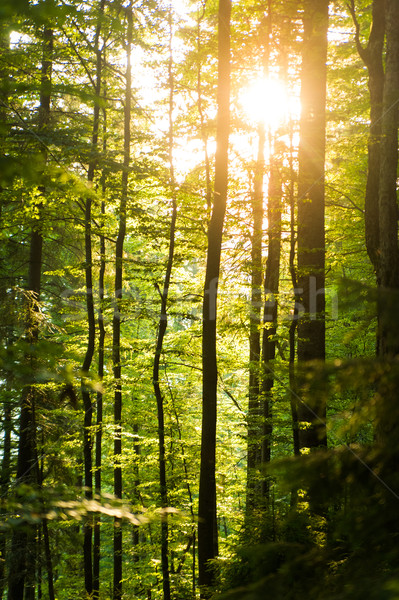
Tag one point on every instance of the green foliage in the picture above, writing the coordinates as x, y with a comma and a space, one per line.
329, 528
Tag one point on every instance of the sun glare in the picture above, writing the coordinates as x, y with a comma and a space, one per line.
266, 100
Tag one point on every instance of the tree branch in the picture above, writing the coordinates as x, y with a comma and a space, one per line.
363, 52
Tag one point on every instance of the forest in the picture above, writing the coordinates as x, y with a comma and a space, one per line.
199, 279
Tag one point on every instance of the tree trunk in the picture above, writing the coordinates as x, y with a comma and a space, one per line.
4, 485
22, 561
87, 402
162, 326
116, 321
99, 422
4, 125
311, 239
136, 492
389, 253
254, 426
387, 422
91, 322
388, 210
372, 57
294, 281
100, 371
203, 131
49, 562
272, 277
207, 532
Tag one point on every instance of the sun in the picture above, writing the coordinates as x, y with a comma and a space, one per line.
266, 101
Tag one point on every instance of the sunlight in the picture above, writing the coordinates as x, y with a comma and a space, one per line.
266, 100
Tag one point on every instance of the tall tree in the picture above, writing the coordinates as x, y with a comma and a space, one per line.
254, 436
387, 424
389, 253
22, 561
311, 208
271, 284
116, 321
7, 424
100, 372
91, 321
207, 530
163, 323
372, 56
254, 391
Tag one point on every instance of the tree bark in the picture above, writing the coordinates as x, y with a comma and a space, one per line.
162, 326
294, 281
22, 560
387, 413
49, 561
99, 422
388, 209
116, 321
389, 156
91, 321
311, 238
4, 485
272, 277
207, 532
372, 58
203, 131
254, 426
100, 367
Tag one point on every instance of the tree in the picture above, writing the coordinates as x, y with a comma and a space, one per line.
118, 309
270, 312
311, 237
22, 560
207, 533
163, 323
372, 57
387, 428
388, 210
91, 320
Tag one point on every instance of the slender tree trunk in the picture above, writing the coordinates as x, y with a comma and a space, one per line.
100, 371
204, 135
4, 82
91, 322
254, 426
116, 321
4, 485
163, 323
87, 402
46, 536
294, 281
99, 421
311, 238
136, 493
207, 532
22, 562
39, 564
43, 528
272, 277
49, 562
